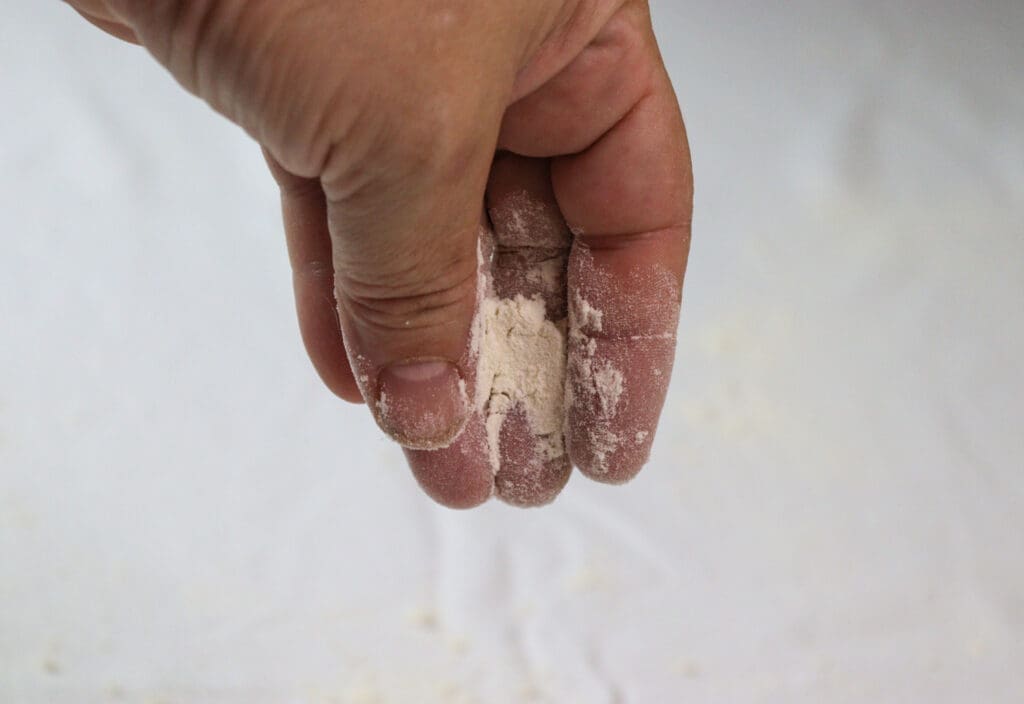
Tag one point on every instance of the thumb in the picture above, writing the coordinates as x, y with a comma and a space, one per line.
402, 148
405, 262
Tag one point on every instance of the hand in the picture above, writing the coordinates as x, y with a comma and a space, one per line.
410, 136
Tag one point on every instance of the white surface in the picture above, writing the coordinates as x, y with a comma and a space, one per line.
834, 508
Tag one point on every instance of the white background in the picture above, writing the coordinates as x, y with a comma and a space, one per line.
833, 512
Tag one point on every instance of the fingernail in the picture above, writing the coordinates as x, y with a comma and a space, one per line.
421, 403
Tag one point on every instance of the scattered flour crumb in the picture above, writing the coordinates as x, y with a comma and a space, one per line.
457, 645
531, 693
591, 577
454, 693
362, 694
690, 669
424, 618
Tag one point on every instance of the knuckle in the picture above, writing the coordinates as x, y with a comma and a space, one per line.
195, 39
411, 134
153, 20
179, 31
269, 66
403, 299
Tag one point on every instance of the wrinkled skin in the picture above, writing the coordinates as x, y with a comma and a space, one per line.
394, 129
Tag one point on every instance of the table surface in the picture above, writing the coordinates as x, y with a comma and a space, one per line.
833, 512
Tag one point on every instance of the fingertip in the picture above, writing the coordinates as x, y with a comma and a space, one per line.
421, 404
533, 469
321, 336
610, 459
525, 491
458, 476
342, 384
112, 27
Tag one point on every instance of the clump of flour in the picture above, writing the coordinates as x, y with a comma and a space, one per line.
536, 348
587, 316
523, 358
521, 363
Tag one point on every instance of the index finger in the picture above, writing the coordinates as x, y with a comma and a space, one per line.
628, 199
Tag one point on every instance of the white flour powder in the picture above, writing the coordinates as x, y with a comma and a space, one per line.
592, 380
529, 363
521, 362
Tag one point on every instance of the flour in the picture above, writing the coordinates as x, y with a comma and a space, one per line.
595, 386
520, 363
537, 353
522, 359
608, 386
547, 274
587, 316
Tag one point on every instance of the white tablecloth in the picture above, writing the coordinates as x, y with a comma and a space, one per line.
835, 507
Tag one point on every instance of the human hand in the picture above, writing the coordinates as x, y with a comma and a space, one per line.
414, 139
